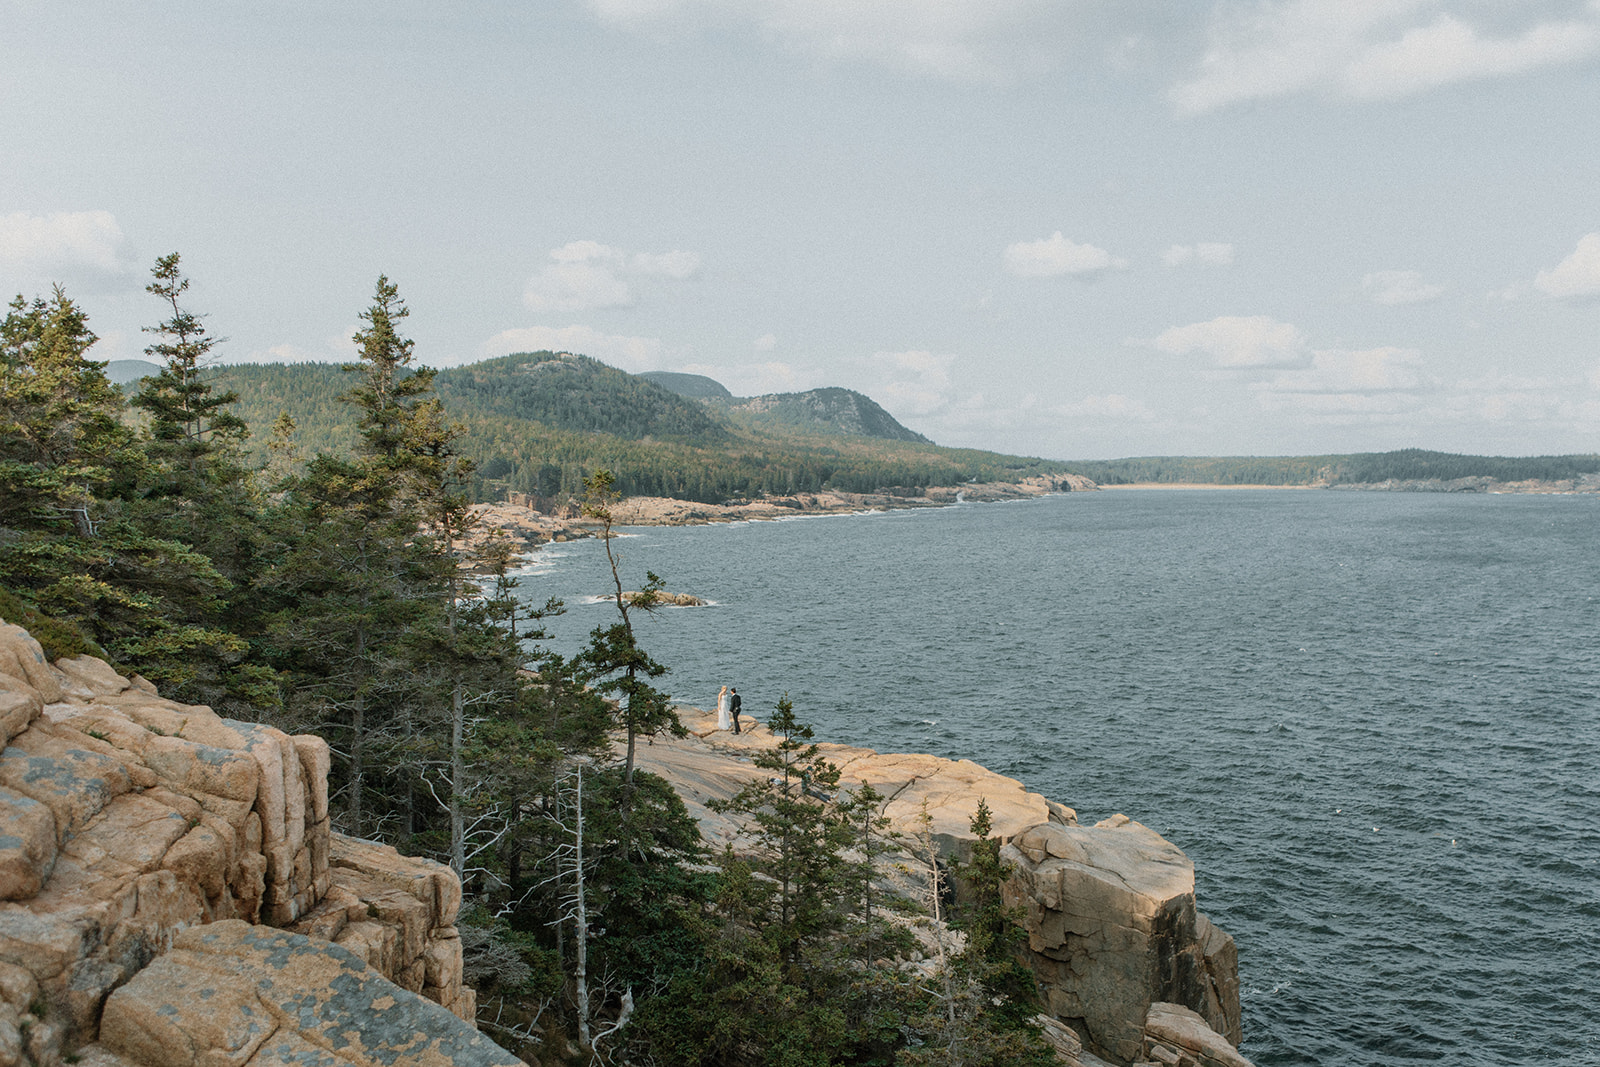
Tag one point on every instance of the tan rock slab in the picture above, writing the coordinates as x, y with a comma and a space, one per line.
88, 678
1185, 1031
321, 993
22, 658
74, 783
27, 845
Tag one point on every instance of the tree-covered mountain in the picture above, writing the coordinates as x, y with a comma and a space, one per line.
128, 371
539, 423
824, 411
830, 411
580, 394
1409, 465
693, 386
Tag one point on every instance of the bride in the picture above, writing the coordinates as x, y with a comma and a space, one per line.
723, 721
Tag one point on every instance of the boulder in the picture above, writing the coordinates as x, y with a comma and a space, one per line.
299, 1000
1173, 1034
1110, 908
141, 840
1112, 928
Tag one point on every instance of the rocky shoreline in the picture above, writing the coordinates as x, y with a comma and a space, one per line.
170, 883
172, 893
1129, 970
529, 528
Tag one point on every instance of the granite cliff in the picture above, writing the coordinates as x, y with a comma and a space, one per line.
1129, 970
171, 893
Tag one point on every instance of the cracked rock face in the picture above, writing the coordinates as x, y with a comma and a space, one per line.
1112, 929
1109, 908
148, 849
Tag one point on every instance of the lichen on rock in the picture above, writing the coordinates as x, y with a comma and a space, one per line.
148, 851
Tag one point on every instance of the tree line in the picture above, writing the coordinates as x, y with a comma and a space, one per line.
1362, 468
328, 589
540, 424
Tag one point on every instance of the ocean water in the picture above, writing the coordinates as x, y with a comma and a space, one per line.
1372, 720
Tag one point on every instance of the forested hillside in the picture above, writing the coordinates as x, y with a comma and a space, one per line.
330, 595
817, 411
539, 423
1362, 468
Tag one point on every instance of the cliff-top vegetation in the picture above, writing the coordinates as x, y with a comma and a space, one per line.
318, 584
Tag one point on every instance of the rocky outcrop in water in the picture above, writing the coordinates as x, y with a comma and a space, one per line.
173, 894
1112, 929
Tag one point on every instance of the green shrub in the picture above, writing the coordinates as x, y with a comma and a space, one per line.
61, 640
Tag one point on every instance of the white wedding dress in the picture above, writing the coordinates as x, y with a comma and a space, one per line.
724, 720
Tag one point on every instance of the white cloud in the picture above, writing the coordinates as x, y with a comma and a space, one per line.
985, 40
1448, 50
1206, 253
677, 265
633, 354
1576, 278
1053, 256
1371, 370
915, 382
1522, 401
586, 275
1109, 406
336, 348
1395, 287
750, 379
65, 246
1366, 50
765, 343
1239, 341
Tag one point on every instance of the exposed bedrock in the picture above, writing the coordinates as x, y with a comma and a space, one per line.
149, 850
1110, 908
1113, 929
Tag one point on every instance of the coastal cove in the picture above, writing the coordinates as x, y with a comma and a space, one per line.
1368, 719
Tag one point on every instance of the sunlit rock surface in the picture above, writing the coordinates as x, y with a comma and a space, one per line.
148, 847
1109, 908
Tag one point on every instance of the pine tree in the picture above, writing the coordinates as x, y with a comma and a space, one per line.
61, 440
68, 467
613, 660
363, 590
193, 430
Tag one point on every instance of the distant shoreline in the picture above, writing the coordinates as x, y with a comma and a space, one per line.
1199, 485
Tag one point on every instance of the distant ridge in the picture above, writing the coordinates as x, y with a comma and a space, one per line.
693, 386
830, 411
1413, 469
576, 393
128, 371
538, 423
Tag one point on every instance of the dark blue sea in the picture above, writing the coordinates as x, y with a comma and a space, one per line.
1371, 719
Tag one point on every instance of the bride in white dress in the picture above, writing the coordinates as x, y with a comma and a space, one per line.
723, 720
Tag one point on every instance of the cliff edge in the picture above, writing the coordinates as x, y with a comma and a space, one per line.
171, 893
1128, 969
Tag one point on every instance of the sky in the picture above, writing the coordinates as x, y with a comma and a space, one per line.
1075, 229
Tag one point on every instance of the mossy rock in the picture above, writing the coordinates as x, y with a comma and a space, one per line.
58, 638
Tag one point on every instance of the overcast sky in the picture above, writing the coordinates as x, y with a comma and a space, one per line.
1069, 228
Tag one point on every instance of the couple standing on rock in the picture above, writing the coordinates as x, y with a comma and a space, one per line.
728, 704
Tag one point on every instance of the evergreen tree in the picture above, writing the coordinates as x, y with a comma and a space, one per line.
978, 1008
67, 542
61, 440
614, 661
362, 589
193, 430
788, 976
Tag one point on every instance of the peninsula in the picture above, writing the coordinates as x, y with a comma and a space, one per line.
174, 893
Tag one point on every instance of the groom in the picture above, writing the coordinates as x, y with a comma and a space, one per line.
733, 706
